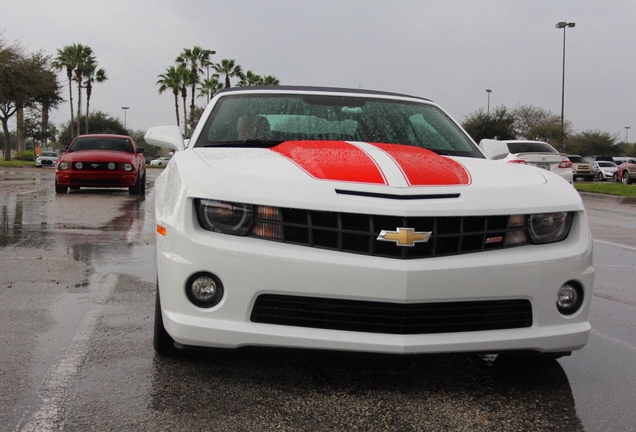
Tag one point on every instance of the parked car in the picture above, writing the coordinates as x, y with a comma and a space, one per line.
110, 161
46, 159
364, 221
626, 172
581, 168
534, 153
604, 170
162, 161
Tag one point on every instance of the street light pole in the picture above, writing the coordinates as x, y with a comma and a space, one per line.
563, 25
125, 110
488, 91
627, 128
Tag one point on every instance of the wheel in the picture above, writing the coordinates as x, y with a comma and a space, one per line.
60, 189
600, 177
160, 164
626, 178
136, 189
161, 340
143, 185
38, 166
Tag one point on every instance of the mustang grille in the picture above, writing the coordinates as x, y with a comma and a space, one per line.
94, 166
358, 233
391, 318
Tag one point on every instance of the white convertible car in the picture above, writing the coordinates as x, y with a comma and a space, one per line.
364, 221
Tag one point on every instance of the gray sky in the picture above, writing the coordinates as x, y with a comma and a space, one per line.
449, 51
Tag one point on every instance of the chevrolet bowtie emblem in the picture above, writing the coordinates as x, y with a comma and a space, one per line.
405, 236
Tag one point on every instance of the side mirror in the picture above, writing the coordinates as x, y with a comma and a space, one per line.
494, 149
169, 137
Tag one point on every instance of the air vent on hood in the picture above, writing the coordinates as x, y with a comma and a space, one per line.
397, 197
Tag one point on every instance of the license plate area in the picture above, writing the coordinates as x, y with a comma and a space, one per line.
545, 166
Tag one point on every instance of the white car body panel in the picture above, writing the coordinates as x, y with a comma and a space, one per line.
251, 266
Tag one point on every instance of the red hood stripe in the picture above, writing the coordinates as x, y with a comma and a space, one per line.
332, 160
342, 161
423, 167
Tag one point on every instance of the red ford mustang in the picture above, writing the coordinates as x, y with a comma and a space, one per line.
112, 161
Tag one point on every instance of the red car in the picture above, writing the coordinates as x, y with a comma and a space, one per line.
626, 173
112, 161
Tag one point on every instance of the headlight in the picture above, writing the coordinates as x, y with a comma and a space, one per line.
128, 167
225, 217
63, 165
549, 227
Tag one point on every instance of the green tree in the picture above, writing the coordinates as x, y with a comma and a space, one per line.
194, 59
98, 122
91, 75
249, 79
481, 125
24, 82
593, 142
539, 124
66, 60
171, 80
229, 69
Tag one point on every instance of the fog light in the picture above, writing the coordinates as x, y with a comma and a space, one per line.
204, 290
569, 298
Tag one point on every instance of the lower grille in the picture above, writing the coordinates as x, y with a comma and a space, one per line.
96, 182
391, 318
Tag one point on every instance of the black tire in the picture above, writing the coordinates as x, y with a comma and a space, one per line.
136, 189
600, 177
160, 164
60, 189
38, 166
74, 187
161, 340
626, 178
143, 184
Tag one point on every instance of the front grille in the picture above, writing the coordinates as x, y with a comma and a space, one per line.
358, 233
94, 166
391, 318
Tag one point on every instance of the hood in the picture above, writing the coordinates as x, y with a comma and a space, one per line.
321, 174
97, 156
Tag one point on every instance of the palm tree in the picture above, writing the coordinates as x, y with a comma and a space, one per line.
194, 59
91, 75
228, 68
268, 80
66, 60
171, 79
84, 57
210, 86
249, 79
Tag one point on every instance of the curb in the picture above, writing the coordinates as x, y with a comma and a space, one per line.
608, 198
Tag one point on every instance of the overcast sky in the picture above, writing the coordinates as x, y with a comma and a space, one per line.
449, 51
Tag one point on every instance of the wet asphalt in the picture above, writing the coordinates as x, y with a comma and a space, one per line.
77, 281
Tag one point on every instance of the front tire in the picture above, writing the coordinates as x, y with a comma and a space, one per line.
137, 188
626, 178
161, 340
60, 189
600, 177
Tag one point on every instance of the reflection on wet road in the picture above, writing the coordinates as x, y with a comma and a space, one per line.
78, 281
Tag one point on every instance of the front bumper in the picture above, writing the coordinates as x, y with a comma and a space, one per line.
250, 267
96, 178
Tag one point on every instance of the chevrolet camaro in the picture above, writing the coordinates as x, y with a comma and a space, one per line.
363, 221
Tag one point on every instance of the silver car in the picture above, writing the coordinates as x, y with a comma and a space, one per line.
46, 159
604, 170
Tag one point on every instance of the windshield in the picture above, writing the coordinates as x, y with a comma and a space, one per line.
607, 164
268, 120
577, 159
530, 147
120, 144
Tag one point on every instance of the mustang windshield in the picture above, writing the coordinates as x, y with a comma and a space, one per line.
267, 120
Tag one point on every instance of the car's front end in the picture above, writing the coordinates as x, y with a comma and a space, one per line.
363, 246
46, 159
97, 168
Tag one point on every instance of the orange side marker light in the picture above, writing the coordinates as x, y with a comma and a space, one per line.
161, 230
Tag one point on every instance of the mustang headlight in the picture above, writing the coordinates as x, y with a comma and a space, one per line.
63, 165
225, 217
127, 167
549, 227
